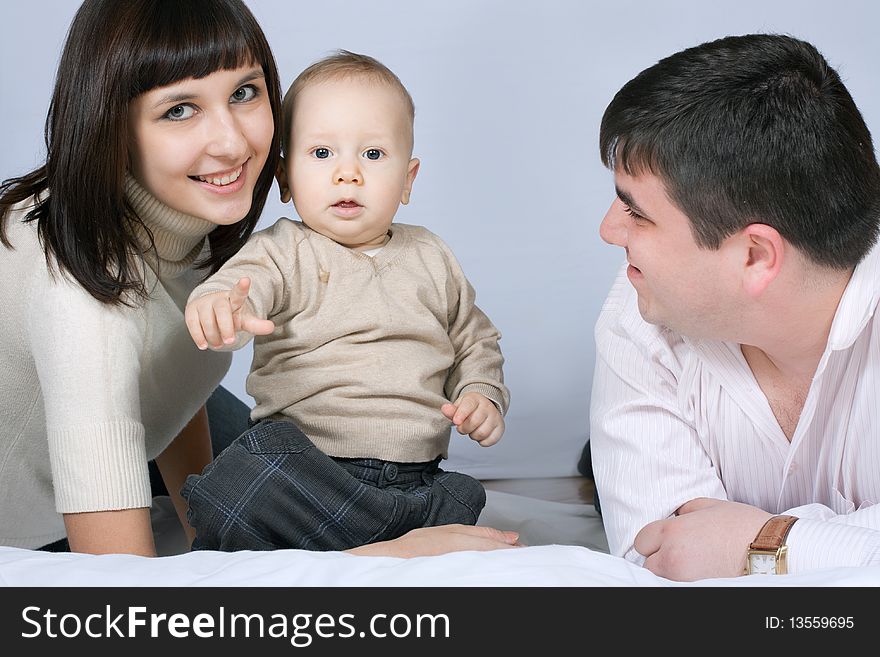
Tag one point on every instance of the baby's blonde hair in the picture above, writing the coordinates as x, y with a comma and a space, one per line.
340, 65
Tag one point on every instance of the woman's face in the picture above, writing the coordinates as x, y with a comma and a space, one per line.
199, 145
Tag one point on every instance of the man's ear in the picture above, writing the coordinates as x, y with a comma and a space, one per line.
411, 174
281, 177
763, 255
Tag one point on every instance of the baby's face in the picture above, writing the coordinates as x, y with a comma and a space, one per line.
349, 164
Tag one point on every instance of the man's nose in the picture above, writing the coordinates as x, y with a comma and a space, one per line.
613, 228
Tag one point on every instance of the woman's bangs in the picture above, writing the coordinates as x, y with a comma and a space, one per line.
188, 46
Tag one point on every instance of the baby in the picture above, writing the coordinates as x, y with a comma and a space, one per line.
368, 341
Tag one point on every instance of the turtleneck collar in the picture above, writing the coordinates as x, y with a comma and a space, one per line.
178, 237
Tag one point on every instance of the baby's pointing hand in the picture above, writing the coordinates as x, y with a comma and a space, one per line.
213, 319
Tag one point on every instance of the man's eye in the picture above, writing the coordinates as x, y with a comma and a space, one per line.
322, 153
373, 154
244, 94
635, 215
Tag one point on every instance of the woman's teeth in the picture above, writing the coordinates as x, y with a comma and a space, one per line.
225, 180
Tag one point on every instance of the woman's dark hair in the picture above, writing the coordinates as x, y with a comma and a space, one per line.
115, 51
753, 129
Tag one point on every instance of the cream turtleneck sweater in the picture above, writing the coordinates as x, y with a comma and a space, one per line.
91, 392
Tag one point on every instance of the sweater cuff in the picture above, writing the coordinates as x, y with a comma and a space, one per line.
100, 467
491, 393
208, 287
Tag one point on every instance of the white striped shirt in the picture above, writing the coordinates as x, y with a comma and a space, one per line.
673, 419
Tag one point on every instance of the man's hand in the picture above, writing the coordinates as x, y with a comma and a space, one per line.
477, 416
213, 319
706, 538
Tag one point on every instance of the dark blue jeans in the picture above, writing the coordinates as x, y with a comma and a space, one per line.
228, 417
272, 488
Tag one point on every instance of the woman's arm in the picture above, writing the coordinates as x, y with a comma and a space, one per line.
129, 531
188, 454
87, 358
111, 532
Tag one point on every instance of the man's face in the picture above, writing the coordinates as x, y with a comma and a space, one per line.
680, 285
349, 165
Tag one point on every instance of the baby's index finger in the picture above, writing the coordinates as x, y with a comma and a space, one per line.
239, 292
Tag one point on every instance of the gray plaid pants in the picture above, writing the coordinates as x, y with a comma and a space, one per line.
272, 488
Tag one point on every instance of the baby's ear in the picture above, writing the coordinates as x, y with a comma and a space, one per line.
281, 177
411, 174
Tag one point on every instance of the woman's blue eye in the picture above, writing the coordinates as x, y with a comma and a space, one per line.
179, 112
322, 153
244, 94
373, 154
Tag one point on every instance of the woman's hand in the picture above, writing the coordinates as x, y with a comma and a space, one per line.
431, 541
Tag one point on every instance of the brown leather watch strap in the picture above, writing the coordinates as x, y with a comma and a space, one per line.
773, 533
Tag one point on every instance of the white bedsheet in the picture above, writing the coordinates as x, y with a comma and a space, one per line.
545, 526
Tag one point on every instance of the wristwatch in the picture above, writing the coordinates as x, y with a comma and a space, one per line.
767, 555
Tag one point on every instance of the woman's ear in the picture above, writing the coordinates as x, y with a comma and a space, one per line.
281, 177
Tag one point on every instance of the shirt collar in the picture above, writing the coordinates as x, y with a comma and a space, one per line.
858, 303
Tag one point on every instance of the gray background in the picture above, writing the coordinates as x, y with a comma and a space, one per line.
508, 97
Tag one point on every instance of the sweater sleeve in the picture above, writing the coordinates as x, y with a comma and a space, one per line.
88, 360
478, 360
267, 259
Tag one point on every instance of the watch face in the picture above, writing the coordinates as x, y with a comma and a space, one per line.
762, 564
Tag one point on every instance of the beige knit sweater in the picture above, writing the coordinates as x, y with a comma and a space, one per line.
366, 349
90, 392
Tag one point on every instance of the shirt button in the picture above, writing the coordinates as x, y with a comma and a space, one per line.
792, 468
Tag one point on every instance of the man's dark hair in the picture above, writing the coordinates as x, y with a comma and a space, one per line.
753, 129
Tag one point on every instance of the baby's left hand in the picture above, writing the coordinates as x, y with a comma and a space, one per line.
477, 416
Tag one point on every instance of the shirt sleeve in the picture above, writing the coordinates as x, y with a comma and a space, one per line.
822, 538
88, 360
478, 359
647, 457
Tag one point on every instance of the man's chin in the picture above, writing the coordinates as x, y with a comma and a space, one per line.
645, 311
651, 316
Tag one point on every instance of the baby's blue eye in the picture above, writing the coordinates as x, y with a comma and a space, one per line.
322, 153
373, 154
